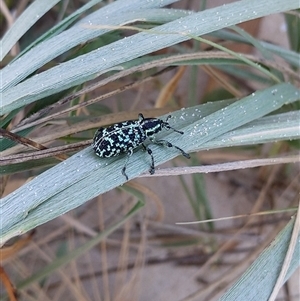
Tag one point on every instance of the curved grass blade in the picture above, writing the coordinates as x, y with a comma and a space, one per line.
29, 17
85, 176
88, 66
258, 281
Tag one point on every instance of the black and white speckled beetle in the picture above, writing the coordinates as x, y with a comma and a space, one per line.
125, 136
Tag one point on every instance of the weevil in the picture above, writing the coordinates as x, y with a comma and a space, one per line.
126, 136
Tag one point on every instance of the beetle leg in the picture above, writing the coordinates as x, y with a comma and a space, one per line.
169, 144
129, 153
149, 151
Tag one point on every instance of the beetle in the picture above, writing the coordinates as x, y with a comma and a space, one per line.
124, 137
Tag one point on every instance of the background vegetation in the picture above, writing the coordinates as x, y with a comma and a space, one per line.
72, 67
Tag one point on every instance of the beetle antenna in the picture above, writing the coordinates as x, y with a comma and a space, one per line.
167, 125
180, 132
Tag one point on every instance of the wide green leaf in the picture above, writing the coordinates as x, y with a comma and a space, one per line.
85, 176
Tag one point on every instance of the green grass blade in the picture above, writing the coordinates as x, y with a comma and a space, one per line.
258, 281
288, 55
88, 66
61, 25
85, 176
29, 17
86, 29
